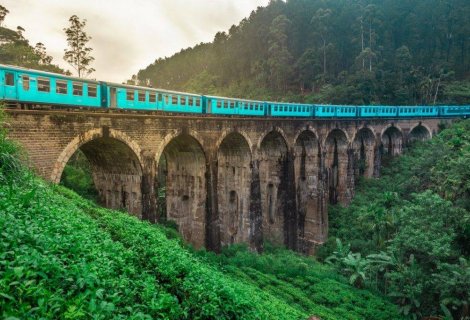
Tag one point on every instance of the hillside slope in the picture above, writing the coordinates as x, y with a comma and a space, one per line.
332, 51
407, 234
63, 257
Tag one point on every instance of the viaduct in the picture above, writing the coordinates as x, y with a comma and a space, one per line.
227, 179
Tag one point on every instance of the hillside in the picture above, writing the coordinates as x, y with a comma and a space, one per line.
63, 257
407, 234
16, 50
333, 51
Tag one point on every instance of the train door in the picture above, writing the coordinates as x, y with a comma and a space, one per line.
112, 97
9, 81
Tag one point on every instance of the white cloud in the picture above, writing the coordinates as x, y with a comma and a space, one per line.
127, 34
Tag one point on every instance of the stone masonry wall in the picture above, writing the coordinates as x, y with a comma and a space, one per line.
228, 179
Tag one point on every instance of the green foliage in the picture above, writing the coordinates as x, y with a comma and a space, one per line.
354, 52
302, 282
412, 226
78, 54
16, 50
77, 176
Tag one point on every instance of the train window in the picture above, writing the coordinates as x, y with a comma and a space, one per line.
141, 96
174, 100
77, 89
44, 84
9, 79
92, 90
130, 95
197, 102
218, 104
25, 82
165, 99
61, 87
251, 107
152, 97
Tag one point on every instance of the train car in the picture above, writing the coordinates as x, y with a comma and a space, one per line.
344, 111
417, 111
279, 109
325, 111
40, 87
222, 105
452, 111
123, 96
377, 111
173, 101
230, 106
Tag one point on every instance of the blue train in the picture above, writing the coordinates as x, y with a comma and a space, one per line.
25, 86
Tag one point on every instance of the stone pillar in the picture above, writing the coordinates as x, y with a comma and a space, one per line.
148, 189
256, 218
349, 191
288, 189
212, 214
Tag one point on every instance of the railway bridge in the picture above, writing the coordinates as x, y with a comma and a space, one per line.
226, 179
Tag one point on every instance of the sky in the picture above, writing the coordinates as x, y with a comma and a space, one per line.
127, 35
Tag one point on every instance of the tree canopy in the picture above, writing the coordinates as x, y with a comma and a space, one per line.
332, 51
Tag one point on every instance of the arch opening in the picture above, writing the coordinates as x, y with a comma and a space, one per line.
182, 190
114, 169
364, 146
392, 142
233, 189
273, 171
336, 164
419, 133
309, 189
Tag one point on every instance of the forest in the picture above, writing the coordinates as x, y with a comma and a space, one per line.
332, 51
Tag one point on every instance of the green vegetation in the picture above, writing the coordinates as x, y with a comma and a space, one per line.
63, 257
16, 50
77, 176
407, 234
332, 51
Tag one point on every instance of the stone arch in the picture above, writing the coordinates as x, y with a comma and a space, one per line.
391, 141
309, 190
304, 130
273, 175
83, 138
233, 188
277, 130
420, 132
183, 165
364, 152
228, 132
337, 165
116, 165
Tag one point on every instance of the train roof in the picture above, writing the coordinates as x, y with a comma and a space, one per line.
46, 73
130, 86
228, 98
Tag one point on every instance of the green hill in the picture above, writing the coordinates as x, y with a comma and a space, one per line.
407, 234
332, 51
63, 257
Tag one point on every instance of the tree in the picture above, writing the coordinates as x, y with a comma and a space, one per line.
321, 22
78, 54
40, 50
3, 13
279, 56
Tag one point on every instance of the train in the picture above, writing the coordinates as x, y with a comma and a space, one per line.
21, 86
